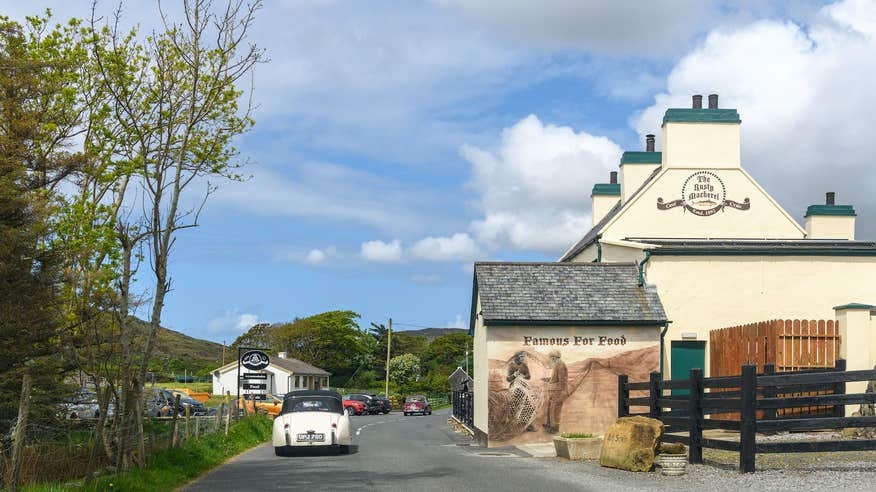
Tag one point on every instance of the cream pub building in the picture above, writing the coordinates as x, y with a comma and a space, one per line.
686, 242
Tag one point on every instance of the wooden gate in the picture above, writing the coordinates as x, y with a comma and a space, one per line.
791, 345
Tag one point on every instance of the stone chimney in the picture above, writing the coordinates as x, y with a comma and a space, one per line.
701, 138
635, 167
604, 197
830, 221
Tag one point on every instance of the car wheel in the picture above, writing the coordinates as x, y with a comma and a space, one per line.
280, 451
73, 416
344, 449
406, 414
429, 412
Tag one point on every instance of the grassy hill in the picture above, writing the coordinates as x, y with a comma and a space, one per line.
433, 333
177, 353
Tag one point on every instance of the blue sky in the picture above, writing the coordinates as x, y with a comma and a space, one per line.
397, 142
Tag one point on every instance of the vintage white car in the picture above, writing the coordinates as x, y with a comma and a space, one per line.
311, 418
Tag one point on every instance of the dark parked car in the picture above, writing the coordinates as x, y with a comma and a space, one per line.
159, 402
373, 406
196, 408
417, 404
386, 405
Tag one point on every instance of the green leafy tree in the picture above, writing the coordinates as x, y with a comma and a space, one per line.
260, 335
404, 369
446, 352
330, 340
38, 120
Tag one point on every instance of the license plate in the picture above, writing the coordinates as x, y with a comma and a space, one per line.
311, 437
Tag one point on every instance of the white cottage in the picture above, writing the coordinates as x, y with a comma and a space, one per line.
284, 375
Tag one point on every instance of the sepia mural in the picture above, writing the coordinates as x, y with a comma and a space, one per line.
546, 381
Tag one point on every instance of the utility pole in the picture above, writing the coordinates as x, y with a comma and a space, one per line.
388, 351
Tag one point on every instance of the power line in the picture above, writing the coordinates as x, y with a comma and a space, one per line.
411, 325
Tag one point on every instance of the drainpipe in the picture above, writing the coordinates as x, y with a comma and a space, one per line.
642, 268
598, 249
663, 334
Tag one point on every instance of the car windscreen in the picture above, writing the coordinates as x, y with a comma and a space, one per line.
312, 404
417, 399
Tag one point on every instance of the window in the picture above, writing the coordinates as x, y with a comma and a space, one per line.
297, 381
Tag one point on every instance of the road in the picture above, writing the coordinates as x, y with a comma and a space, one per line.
393, 452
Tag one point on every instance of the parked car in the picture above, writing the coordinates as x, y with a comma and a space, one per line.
372, 406
158, 402
355, 407
386, 405
311, 418
417, 404
196, 408
82, 404
271, 405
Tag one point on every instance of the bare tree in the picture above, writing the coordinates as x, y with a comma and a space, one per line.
177, 99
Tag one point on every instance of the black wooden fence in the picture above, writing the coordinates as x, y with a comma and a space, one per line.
463, 407
747, 394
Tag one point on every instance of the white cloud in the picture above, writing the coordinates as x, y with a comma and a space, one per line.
458, 247
320, 191
232, 323
457, 323
535, 188
381, 77
643, 28
317, 256
382, 252
805, 98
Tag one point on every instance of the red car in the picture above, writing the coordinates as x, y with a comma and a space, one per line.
354, 407
417, 404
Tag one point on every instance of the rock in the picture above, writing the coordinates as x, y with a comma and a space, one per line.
631, 443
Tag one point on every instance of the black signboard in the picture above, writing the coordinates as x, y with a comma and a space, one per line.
255, 360
255, 386
255, 375
256, 397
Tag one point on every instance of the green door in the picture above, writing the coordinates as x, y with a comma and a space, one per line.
686, 355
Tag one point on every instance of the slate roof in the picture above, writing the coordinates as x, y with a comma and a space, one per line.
293, 365
812, 247
298, 367
564, 294
594, 233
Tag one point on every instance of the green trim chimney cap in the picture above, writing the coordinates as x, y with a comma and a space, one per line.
855, 305
638, 157
835, 210
608, 189
697, 115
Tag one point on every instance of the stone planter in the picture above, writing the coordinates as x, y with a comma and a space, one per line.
578, 448
672, 464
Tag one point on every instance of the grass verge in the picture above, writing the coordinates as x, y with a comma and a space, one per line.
172, 468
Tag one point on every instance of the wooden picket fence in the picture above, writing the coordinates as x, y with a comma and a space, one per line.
789, 345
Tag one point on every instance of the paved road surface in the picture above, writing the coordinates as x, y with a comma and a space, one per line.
393, 452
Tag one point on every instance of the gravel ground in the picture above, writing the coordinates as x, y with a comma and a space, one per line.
797, 471
853, 472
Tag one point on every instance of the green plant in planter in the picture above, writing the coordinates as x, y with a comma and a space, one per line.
576, 435
674, 448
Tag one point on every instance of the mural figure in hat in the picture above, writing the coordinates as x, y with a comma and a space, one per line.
556, 388
521, 400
